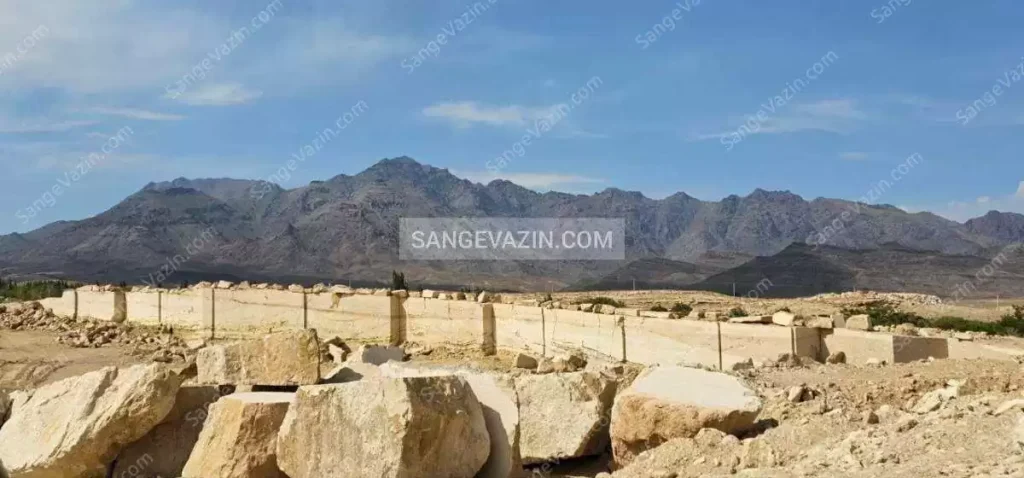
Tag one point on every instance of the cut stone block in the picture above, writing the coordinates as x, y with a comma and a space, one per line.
563, 415
239, 438
385, 428
677, 402
282, 358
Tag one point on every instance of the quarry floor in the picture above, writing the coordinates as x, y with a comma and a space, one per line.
825, 436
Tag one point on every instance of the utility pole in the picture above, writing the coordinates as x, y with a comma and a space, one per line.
734, 289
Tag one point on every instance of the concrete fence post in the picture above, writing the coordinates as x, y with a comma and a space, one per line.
213, 314
305, 311
75, 316
543, 334
399, 327
120, 307
721, 366
490, 339
159, 307
622, 332
792, 341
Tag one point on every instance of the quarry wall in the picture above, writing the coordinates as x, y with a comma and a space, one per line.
231, 313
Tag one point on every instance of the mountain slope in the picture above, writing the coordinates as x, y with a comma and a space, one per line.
802, 270
346, 228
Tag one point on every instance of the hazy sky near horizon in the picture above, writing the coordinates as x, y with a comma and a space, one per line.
708, 97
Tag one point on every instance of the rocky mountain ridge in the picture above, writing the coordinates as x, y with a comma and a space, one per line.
346, 229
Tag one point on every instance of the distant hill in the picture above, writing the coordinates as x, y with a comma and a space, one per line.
345, 229
802, 270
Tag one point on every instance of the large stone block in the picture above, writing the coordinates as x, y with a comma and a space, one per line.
563, 415
166, 448
676, 402
282, 358
385, 428
783, 318
379, 354
859, 322
239, 438
500, 403
75, 427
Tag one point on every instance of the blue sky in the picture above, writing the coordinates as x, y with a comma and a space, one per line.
708, 97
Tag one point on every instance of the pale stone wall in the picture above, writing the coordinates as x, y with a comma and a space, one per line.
236, 313
63, 305
96, 305
455, 322
595, 333
361, 317
145, 307
959, 349
859, 346
181, 309
244, 312
909, 349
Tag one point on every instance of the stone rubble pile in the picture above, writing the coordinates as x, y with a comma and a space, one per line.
150, 342
908, 298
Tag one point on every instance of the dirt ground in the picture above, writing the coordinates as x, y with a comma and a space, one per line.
825, 304
30, 358
824, 435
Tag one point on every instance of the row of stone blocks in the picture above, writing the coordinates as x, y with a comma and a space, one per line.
388, 421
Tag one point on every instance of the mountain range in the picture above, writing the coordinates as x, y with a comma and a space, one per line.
345, 230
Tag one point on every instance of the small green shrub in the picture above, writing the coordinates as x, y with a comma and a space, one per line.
658, 308
32, 290
884, 313
398, 281
737, 312
681, 309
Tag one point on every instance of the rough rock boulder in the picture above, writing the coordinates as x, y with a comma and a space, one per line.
75, 427
282, 358
239, 439
497, 396
166, 448
385, 428
563, 415
5, 406
677, 402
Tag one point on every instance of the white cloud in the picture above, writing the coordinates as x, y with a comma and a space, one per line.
40, 126
468, 113
839, 108
854, 156
543, 181
219, 94
114, 46
138, 114
839, 116
964, 210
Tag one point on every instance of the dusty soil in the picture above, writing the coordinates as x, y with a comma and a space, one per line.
829, 436
29, 358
